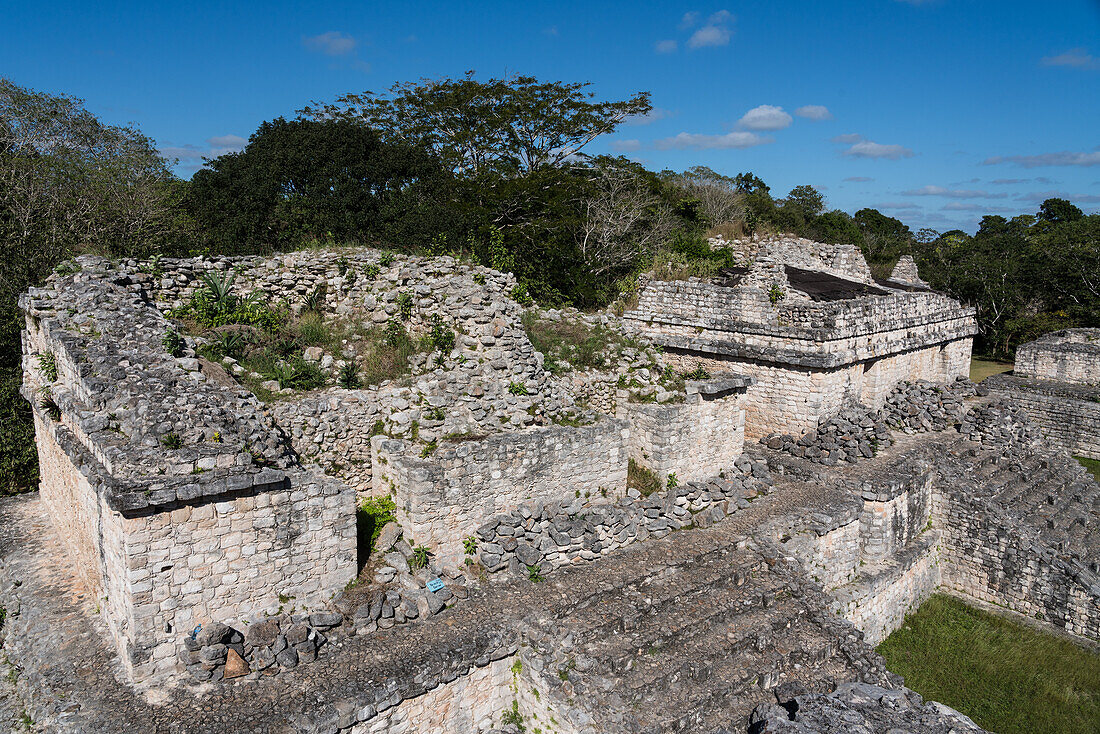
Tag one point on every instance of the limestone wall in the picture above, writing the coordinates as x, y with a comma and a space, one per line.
442, 497
990, 556
1072, 355
178, 498
696, 439
1067, 415
470, 704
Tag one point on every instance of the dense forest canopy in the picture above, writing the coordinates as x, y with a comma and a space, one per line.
494, 170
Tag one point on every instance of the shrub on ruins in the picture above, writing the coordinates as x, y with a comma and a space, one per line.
572, 343
216, 303
331, 180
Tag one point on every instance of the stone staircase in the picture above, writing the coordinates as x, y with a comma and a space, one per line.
1050, 492
697, 645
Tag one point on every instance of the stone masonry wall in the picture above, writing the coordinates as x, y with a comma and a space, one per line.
1072, 355
443, 497
697, 439
1068, 415
470, 704
988, 556
181, 504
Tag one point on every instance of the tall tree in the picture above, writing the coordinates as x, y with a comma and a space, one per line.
511, 126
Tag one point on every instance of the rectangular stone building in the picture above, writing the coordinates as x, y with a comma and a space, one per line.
815, 336
177, 497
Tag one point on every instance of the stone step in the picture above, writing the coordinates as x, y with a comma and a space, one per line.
656, 595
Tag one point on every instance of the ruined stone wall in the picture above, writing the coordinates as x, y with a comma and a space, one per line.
874, 552
177, 496
786, 398
696, 439
1067, 414
1072, 355
442, 497
988, 555
940, 363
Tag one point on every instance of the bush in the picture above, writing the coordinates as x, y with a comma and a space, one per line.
297, 374
572, 343
370, 518
442, 336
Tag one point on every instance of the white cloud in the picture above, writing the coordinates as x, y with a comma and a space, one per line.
227, 141
1063, 158
847, 139
765, 117
332, 43
1040, 196
655, 114
689, 19
906, 205
215, 146
665, 47
952, 193
700, 141
814, 112
1076, 58
859, 179
869, 149
626, 146
722, 16
709, 35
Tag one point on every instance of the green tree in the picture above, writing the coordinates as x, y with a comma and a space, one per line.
807, 200
1058, 211
511, 126
68, 184
303, 179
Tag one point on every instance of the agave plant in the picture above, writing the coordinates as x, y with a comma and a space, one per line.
219, 289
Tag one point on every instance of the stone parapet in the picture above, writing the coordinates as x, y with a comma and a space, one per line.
1066, 413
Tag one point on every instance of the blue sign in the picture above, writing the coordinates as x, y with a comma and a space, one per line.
435, 585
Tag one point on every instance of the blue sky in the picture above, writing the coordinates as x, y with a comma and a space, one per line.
934, 111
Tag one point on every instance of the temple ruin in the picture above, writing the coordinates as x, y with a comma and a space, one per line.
817, 466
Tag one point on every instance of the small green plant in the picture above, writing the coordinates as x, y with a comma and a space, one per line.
775, 294
697, 374
520, 295
371, 270
386, 259
297, 374
315, 301
171, 441
469, 545
442, 336
172, 342
349, 376
429, 449
47, 365
479, 278
435, 414
342, 266
420, 556
404, 303
639, 477
517, 388
534, 573
395, 334
53, 410
672, 481
512, 717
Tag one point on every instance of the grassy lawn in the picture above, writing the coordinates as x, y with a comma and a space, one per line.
1092, 465
983, 368
1008, 677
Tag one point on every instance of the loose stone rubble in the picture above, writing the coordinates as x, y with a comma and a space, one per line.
189, 534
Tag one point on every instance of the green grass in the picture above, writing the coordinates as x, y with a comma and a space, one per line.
983, 368
1093, 465
1008, 677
